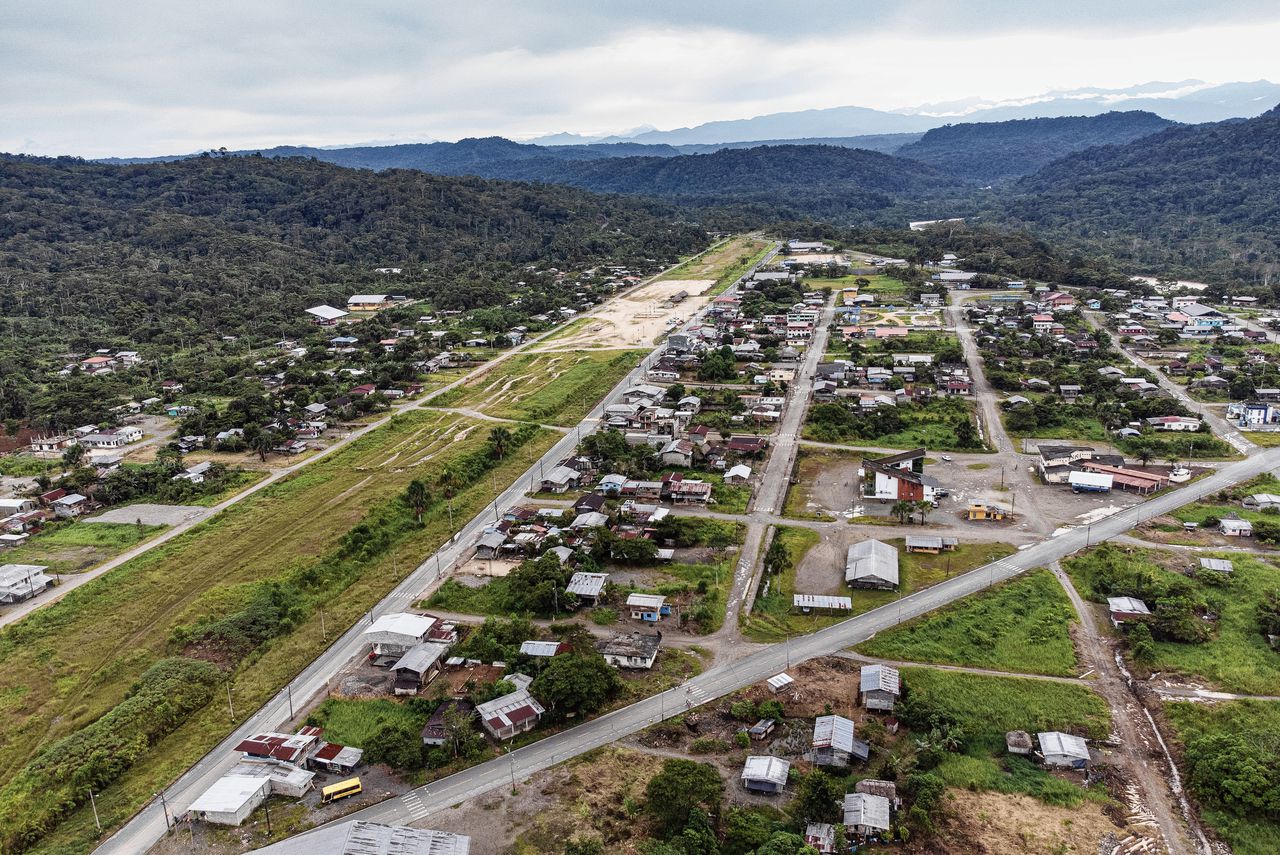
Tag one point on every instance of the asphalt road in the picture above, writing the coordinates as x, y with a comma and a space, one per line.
725, 679
146, 827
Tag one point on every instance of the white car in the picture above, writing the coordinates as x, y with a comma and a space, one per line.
946, 458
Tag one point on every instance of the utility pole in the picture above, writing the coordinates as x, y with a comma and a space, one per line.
266, 805
324, 633
164, 805
229, 707
289, 691
512, 761
94, 804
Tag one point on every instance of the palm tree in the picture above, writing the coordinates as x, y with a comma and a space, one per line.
923, 508
418, 498
262, 443
1144, 453
500, 438
1174, 461
449, 483
902, 510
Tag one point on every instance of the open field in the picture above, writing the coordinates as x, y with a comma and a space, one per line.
1021, 625
551, 388
1086, 428
1230, 753
771, 618
72, 547
723, 264
62, 671
932, 425
824, 483
1236, 657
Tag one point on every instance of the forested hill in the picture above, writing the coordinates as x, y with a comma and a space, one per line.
235, 245
990, 151
1203, 197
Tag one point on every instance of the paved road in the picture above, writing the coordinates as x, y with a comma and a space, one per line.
730, 677
150, 823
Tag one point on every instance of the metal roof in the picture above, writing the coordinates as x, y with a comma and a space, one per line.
421, 657
646, 601
871, 559
1222, 565
833, 731
586, 584
772, 769
230, 793
867, 810
780, 681
371, 838
1063, 744
402, 623
879, 678
510, 709
820, 601
930, 541
539, 648
328, 313
1129, 605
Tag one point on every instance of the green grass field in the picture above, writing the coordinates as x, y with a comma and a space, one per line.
771, 618
73, 547
355, 721
550, 388
725, 263
1237, 658
61, 670
931, 425
987, 707
1246, 730
1020, 625
1084, 428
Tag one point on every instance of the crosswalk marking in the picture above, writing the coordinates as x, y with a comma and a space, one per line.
413, 802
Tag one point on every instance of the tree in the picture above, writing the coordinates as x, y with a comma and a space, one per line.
584, 846
396, 743
902, 510
818, 798
263, 442
698, 837
786, 843
1141, 644
460, 734
449, 483
576, 683
417, 497
681, 786
1144, 453
923, 507
744, 831
500, 440
967, 434
72, 457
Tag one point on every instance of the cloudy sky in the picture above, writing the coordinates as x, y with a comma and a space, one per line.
98, 78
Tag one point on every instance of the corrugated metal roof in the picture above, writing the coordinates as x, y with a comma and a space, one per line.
540, 648
646, 601
882, 678
833, 731
1063, 744
871, 559
866, 810
1222, 565
587, 584
371, 838
820, 601
772, 769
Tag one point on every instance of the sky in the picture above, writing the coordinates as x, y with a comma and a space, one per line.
97, 78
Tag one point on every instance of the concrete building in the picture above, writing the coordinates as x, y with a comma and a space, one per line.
636, 650
394, 634
511, 714
20, 582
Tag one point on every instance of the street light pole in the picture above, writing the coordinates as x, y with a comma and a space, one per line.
94, 804
164, 805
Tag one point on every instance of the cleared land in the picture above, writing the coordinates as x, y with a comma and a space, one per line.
61, 670
73, 547
723, 264
550, 388
825, 483
1236, 656
1021, 625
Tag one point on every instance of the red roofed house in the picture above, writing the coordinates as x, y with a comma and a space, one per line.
511, 714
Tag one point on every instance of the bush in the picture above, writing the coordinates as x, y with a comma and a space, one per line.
682, 785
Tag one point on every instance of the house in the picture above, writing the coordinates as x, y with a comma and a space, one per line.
978, 511
648, 607
368, 302
231, 799
634, 650
1069, 392
930, 544
821, 836
899, 477
880, 686
10, 506
589, 502
418, 666
1174, 423
866, 815
1126, 610
325, 316
678, 452
834, 743
1063, 750
765, 774
490, 545
871, 564
71, 505
20, 582
435, 733
542, 649
511, 714
738, 475
587, 586
561, 479
1233, 527
394, 634
1256, 502
591, 519
358, 837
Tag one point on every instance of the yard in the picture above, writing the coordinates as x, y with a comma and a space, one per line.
557, 388
1021, 625
772, 618
824, 483
71, 547
1236, 656
62, 671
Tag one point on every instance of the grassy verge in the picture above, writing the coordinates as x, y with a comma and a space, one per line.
235, 482
552, 388
73, 547
1236, 657
61, 670
772, 617
1020, 625
1229, 752
1263, 438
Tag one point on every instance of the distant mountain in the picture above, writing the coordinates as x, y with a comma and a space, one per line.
1198, 196
990, 151
1190, 101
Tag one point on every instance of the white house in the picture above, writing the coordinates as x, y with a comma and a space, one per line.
1063, 750
511, 714
765, 774
393, 634
637, 650
230, 799
20, 582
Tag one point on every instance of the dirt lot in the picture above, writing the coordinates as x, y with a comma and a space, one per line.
637, 319
996, 823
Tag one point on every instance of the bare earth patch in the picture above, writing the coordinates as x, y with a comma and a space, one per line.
995, 824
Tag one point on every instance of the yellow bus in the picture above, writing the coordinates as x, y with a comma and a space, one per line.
340, 790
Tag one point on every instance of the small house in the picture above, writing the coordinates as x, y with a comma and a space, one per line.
542, 649
765, 774
20, 582
762, 728
978, 511
834, 743
1233, 527
634, 650
738, 475
587, 587
866, 815
871, 564
394, 634
1126, 610
509, 715
1063, 750
778, 682
821, 836
435, 733
930, 544
648, 607
418, 666
231, 799
880, 686
1217, 565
